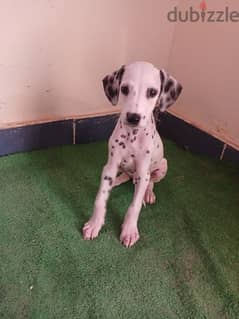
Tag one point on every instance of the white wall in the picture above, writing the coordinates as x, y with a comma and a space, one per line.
54, 53
205, 57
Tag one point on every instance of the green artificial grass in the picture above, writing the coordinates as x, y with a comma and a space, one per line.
186, 264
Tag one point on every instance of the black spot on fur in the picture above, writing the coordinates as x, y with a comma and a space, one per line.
113, 146
168, 85
116, 140
162, 77
112, 154
132, 155
135, 131
179, 89
122, 144
173, 94
147, 151
108, 178
137, 179
123, 136
105, 81
120, 73
111, 91
111, 80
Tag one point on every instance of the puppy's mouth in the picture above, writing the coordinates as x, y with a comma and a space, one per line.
130, 124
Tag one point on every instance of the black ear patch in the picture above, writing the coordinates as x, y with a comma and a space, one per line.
111, 85
162, 77
168, 86
170, 91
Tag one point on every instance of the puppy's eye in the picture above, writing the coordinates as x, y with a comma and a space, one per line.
151, 92
125, 90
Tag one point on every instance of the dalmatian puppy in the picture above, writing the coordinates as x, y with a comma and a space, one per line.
135, 149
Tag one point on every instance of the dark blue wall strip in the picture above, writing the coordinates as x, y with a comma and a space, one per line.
27, 138
189, 137
32, 137
94, 129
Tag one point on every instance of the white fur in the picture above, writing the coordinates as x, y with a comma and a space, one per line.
140, 157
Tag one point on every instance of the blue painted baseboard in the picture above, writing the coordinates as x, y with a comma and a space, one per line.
44, 135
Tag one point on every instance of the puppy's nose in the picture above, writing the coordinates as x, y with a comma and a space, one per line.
133, 118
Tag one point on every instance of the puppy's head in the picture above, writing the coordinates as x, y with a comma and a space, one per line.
140, 88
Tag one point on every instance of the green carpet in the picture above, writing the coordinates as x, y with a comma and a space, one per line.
186, 264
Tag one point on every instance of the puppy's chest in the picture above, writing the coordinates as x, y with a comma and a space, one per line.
133, 145
134, 142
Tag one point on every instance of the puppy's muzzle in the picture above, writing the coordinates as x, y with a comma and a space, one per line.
133, 118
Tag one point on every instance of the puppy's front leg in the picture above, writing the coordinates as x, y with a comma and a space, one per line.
92, 227
129, 234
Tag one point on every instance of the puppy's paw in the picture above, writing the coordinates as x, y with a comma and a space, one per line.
92, 228
129, 234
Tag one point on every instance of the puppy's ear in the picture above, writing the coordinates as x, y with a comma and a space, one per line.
111, 84
169, 92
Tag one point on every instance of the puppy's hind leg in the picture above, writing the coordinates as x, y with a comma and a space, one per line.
160, 172
122, 178
156, 176
149, 196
